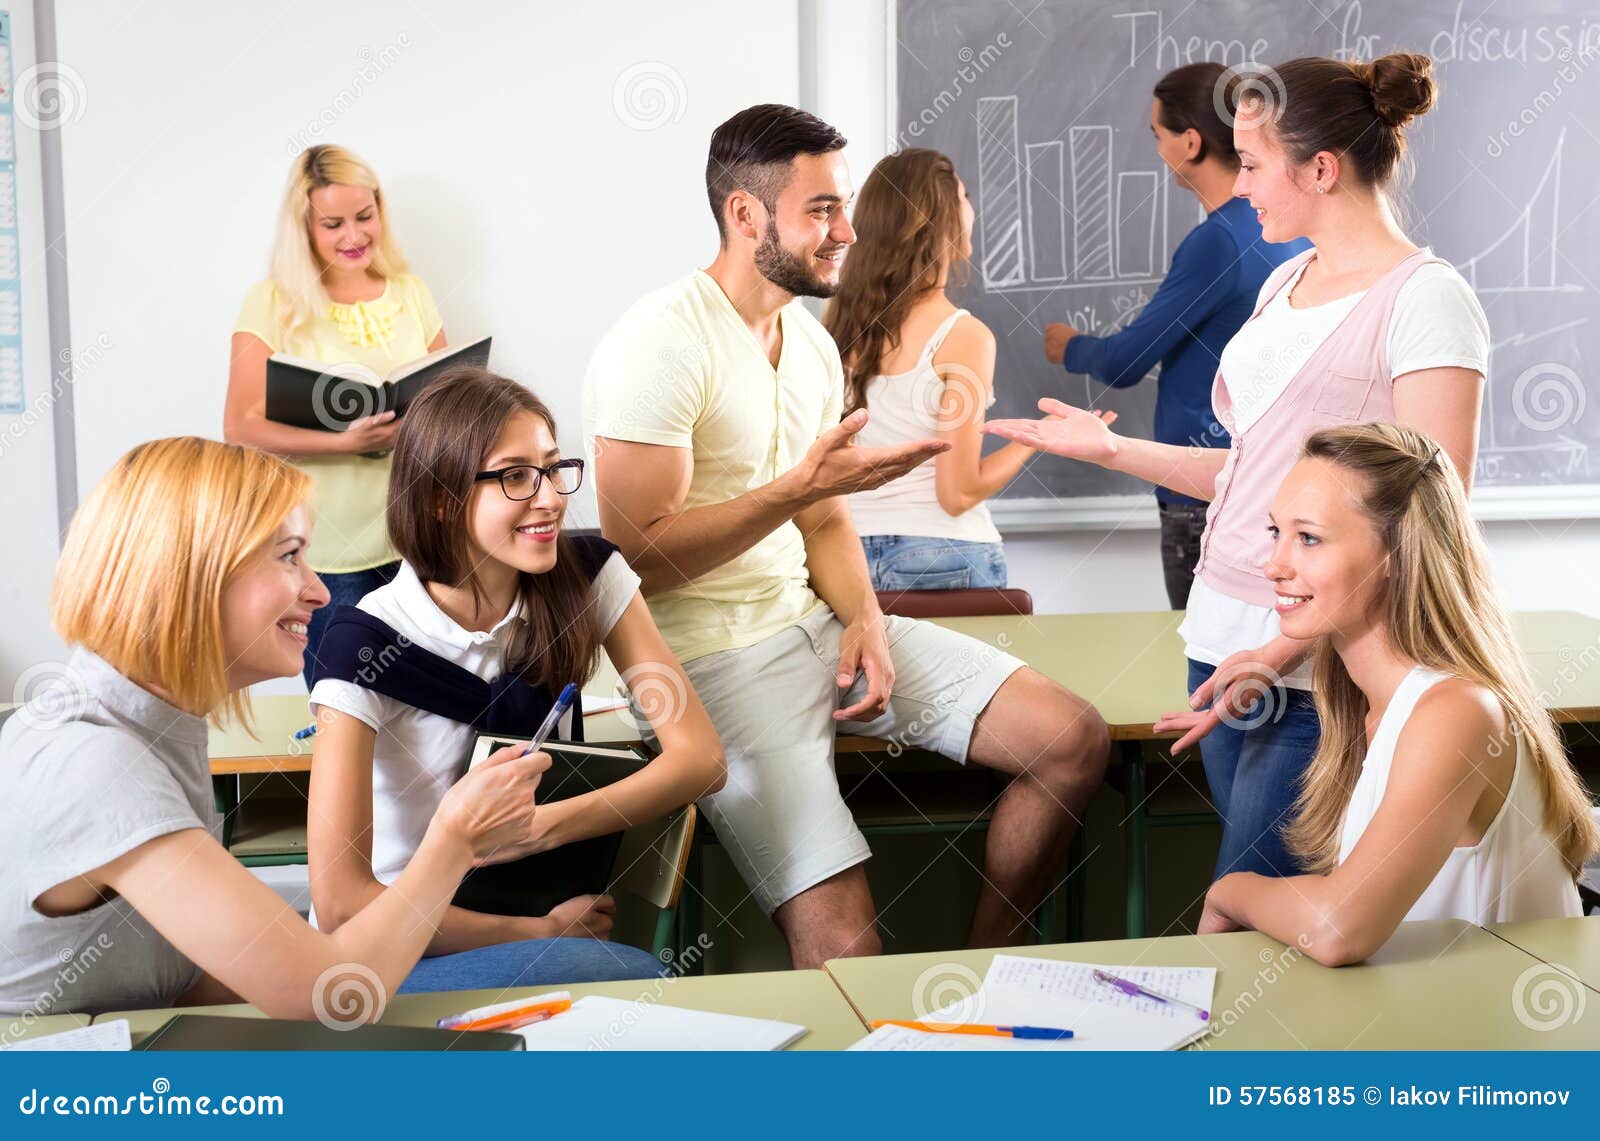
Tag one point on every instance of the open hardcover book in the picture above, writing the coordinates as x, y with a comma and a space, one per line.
326, 397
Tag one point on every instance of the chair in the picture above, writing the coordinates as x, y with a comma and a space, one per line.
652, 862
979, 602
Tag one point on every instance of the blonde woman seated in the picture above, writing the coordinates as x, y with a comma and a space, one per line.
184, 580
1440, 789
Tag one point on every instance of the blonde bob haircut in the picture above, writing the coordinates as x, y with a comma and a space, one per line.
142, 571
295, 269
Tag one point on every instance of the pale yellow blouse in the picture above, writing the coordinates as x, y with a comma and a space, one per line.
390, 330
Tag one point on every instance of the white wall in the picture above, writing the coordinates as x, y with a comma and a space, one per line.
535, 206
27, 447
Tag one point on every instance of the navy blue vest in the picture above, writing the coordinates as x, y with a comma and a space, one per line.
366, 651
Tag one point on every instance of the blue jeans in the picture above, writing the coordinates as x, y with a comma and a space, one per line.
1254, 774
532, 962
344, 589
913, 562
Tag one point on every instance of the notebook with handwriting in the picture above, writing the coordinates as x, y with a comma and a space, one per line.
1065, 995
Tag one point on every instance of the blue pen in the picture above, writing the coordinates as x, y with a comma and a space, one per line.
563, 703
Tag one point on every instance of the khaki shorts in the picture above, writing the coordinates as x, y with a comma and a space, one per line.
781, 816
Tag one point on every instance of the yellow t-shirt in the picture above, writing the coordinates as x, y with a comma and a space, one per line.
383, 333
681, 368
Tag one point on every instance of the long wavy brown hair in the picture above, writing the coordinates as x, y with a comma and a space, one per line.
1442, 611
908, 230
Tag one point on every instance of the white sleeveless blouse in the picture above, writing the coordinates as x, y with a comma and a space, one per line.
902, 408
1515, 872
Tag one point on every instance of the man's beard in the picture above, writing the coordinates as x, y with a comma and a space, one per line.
790, 272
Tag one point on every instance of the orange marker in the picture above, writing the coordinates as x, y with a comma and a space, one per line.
507, 1016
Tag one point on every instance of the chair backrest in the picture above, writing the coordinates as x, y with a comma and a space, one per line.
654, 857
955, 603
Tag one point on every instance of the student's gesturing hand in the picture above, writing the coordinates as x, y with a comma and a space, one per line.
1075, 433
835, 466
581, 916
1233, 691
492, 806
864, 649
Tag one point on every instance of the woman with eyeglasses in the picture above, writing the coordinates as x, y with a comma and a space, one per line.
493, 611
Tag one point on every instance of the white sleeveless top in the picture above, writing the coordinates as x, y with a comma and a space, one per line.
1515, 872
901, 408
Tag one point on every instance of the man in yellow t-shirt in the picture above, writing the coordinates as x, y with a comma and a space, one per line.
712, 414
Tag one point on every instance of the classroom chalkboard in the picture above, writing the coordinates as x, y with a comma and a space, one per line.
1044, 108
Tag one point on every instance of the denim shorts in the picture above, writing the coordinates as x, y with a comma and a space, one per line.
914, 562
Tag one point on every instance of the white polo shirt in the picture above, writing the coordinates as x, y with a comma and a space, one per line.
419, 755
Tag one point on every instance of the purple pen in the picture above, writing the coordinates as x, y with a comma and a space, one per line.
1128, 986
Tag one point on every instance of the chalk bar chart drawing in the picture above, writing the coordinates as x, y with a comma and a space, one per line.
1524, 257
1058, 214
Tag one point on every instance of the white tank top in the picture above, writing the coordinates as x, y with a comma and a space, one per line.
1515, 872
903, 407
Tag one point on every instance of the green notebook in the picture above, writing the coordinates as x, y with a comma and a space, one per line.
209, 1032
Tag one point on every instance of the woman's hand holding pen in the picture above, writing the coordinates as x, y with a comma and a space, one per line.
492, 807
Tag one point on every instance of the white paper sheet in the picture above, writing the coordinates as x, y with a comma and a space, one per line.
99, 1036
599, 1023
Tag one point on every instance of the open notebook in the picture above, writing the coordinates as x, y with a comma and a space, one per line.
1020, 991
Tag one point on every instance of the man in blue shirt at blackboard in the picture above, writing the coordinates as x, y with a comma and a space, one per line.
1209, 292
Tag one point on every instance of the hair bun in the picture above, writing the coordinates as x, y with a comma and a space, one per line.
1402, 86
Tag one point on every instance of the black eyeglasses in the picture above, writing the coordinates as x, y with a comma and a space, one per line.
523, 481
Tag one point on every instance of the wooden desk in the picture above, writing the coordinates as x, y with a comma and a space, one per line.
1440, 985
1130, 665
807, 998
1571, 943
18, 1029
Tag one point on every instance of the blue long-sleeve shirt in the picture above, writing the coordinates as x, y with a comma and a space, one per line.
1209, 291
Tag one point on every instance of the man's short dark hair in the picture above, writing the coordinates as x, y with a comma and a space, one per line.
752, 151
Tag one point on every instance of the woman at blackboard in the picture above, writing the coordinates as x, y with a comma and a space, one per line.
1208, 292
1364, 327
923, 368
338, 291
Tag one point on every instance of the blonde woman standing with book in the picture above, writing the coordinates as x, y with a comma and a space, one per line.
338, 291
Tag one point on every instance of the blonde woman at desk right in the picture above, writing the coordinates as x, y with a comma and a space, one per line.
1440, 788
